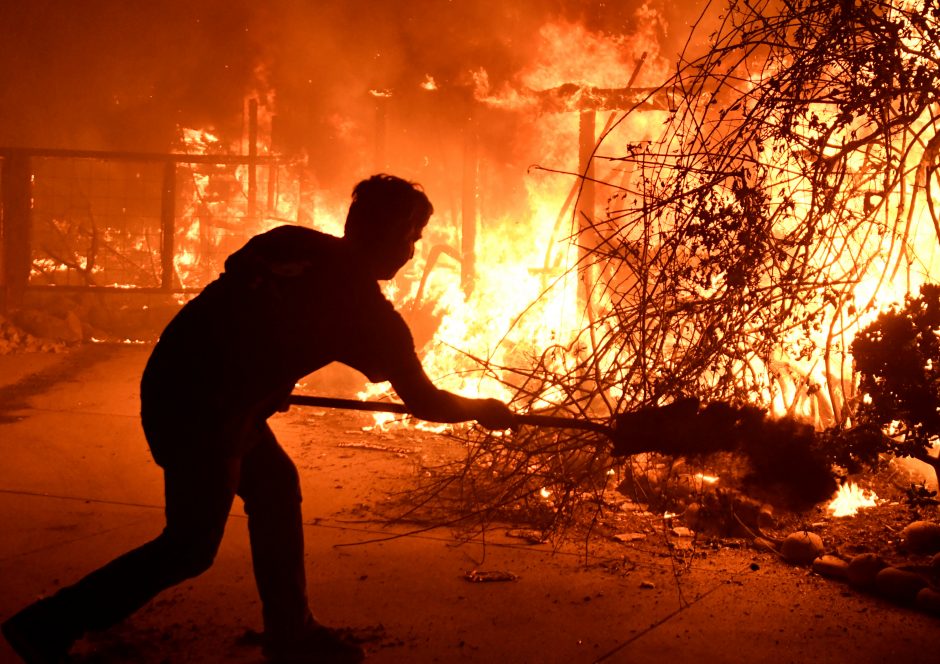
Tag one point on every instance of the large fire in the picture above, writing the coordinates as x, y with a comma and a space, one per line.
526, 300
524, 296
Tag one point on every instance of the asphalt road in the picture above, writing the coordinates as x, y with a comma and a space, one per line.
78, 487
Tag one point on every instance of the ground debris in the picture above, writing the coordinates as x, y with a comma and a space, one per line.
921, 537
14, 339
489, 576
802, 547
863, 569
629, 537
898, 584
530, 535
379, 447
831, 566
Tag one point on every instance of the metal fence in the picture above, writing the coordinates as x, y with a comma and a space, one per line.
140, 222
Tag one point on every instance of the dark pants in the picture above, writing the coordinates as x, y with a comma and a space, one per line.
199, 495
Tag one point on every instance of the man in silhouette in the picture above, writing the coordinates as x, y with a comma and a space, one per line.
289, 302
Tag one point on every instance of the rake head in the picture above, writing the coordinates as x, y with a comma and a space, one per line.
782, 454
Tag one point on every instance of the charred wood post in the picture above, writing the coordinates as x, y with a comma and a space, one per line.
167, 225
585, 209
252, 160
15, 224
273, 195
587, 101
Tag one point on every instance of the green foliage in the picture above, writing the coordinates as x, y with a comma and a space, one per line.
897, 358
920, 496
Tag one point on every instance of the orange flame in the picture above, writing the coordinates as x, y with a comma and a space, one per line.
850, 499
528, 258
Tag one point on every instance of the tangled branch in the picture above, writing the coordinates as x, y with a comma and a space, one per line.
789, 194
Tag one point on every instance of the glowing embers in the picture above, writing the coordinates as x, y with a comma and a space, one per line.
706, 479
850, 499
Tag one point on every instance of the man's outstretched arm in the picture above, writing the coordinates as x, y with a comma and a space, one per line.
427, 402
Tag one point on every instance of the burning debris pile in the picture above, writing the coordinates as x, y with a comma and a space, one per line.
789, 197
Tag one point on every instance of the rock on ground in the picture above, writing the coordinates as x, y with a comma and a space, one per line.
802, 547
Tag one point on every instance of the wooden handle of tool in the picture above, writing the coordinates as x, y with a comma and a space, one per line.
348, 404
560, 422
551, 421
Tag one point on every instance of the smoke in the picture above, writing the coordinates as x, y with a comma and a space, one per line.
117, 75
114, 75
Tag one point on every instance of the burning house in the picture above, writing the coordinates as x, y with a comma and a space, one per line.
692, 247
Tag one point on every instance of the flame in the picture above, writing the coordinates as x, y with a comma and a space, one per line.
533, 252
849, 499
815, 384
381, 421
568, 54
528, 256
707, 479
199, 141
213, 218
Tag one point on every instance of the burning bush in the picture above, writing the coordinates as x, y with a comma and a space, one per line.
898, 361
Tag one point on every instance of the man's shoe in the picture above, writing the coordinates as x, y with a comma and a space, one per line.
36, 636
317, 645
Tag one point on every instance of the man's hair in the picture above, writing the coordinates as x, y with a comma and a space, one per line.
385, 207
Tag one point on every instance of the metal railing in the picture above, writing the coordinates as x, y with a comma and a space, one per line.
121, 221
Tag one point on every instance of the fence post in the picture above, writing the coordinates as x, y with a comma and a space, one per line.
252, 160
167, 225
587, 235
15, 225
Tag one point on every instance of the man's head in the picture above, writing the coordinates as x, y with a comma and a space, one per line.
385, 221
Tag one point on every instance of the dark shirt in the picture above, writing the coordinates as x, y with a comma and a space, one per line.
289, 302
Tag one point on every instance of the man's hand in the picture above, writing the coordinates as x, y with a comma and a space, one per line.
430, 403
493, 414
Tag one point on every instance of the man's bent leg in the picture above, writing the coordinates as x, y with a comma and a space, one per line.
270, 487
198, 499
